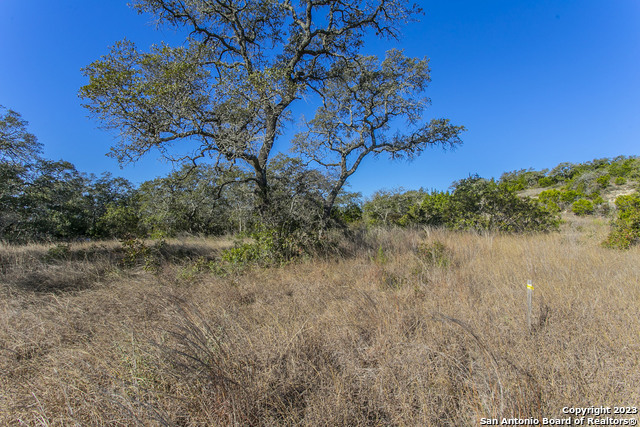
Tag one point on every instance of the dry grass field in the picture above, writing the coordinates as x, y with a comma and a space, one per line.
415, 328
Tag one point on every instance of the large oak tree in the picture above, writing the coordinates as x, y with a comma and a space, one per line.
227, 92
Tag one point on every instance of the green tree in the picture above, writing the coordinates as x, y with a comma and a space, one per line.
121, 220
433, 210
391, 207
192, 200
56, 203
47, 200
114, 207
522, 179
298, 192
563, 172
17, 145
482, 204
347, 208
19, 154
230, 87
12, 184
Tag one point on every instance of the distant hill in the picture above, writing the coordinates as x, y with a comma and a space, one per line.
583, 188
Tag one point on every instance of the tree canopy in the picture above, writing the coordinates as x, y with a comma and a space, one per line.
17, 145
229, 89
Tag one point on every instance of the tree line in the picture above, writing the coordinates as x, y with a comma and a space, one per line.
228, 93
45, 200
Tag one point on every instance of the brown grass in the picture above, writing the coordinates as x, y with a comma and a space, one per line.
426, 334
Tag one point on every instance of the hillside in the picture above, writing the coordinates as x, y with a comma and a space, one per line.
595, 185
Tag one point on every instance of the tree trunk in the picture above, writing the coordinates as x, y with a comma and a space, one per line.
331, 200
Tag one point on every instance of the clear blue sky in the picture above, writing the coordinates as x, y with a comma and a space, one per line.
536, 83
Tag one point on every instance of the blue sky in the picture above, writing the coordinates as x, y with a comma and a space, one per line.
536, 83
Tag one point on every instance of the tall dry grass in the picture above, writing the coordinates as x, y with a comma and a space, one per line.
419, 328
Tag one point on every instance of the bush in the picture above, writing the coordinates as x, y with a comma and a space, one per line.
585, 182
347, 214
262, 250
626, 226
482, 204
552, 207
432, 210
603, 181
550, 198
624, 167
391, 207
582, 207
521, 179
559, 198
120, 221
570, 196
271, 246
434, 254
620, 181
137, 252
61, 251
546, 181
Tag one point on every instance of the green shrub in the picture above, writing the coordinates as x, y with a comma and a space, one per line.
137, 252
482, 204
546, 181
550, 199
552, 207
120, 221
603, 181
570, 196
61, 251
261, 250
381, 257
271, 246
192, 269
620, 180
392, 207
624, 167
434, 253
134, 249
550, 195
582, 207
521, 179
347, 214
432, 210
620, 238
559, 198
625, 230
